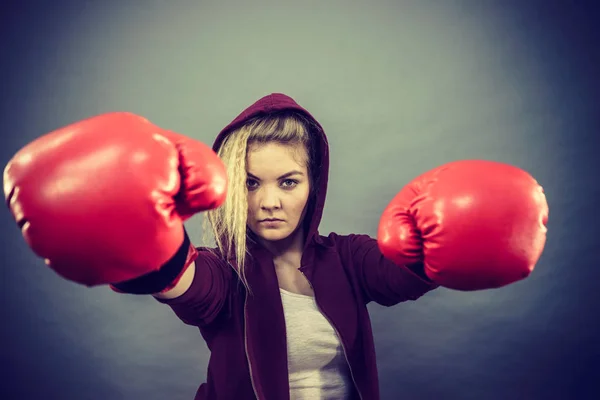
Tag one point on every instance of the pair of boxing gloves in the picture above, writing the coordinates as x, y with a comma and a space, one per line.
103, 201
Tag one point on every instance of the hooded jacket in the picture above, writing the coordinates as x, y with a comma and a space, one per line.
246, 333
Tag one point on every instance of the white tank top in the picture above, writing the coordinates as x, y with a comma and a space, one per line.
316, 362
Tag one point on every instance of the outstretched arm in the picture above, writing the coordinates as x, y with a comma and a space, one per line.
380, 279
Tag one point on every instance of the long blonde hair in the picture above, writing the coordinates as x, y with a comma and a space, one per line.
228, 223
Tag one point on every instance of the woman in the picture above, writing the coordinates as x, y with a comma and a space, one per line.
282, 308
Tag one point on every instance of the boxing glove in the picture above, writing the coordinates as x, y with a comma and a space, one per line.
103, 200
472, 224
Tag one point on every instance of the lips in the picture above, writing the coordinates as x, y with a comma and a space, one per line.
270, 220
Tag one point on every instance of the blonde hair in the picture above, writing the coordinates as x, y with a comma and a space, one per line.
228, 223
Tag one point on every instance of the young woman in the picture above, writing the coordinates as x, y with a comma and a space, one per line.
282, 308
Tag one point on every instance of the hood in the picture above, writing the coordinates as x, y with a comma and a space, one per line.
277, 102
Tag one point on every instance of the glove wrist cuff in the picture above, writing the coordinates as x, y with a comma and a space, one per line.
165, 277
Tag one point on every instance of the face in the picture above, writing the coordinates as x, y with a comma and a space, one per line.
278, 189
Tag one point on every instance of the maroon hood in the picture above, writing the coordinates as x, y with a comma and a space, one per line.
277, 102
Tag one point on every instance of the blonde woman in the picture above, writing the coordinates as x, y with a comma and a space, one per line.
282, 308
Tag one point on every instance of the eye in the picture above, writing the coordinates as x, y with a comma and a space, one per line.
289, 183
251, 184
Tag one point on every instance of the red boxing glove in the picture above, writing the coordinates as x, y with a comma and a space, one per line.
103, 200
473, 224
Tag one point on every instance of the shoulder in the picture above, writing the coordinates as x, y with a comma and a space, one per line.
210, 258
334, 239
348, 245
211, 253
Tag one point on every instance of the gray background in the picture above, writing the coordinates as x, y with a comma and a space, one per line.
400, 87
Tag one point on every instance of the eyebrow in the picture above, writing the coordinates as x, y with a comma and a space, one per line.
286, 175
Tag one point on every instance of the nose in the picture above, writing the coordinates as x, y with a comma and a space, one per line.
269, 199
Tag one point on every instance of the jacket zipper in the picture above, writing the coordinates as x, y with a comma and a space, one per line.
246, 347
337, 333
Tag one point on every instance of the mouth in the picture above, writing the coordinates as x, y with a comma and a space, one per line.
270, 220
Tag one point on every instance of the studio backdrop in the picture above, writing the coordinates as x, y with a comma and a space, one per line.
400, 88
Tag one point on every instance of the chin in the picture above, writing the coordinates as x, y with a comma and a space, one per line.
273, 235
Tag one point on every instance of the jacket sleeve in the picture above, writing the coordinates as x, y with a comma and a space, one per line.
382, 280
207, 294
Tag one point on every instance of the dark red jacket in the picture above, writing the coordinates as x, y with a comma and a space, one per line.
246, 333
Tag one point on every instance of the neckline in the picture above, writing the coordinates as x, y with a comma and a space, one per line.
298, 295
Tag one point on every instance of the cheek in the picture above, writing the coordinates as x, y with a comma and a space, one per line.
300, 203
251, 204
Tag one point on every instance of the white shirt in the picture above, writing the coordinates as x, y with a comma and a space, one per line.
316, 362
